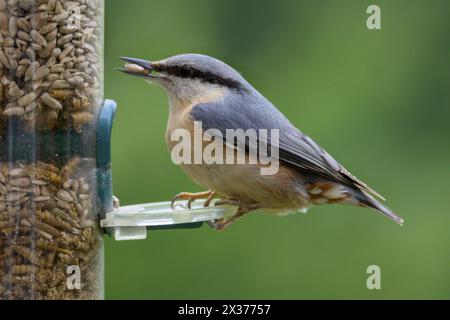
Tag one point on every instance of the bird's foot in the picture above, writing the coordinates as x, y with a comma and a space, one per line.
222, 224
191, 197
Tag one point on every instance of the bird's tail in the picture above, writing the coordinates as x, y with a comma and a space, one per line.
367, 201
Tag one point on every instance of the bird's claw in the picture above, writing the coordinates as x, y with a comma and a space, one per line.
191, 197
219, 225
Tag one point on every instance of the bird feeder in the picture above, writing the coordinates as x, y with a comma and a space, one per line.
55, 167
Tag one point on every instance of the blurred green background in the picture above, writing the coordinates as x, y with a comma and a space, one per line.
379, 101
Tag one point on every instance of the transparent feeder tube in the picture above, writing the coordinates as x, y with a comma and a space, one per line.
51, 90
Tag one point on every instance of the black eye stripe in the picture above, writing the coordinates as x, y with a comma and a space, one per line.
192, 73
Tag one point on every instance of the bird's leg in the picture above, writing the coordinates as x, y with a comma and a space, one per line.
191, 197
210, 198
243, 209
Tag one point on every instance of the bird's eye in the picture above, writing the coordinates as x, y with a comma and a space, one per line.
184, 72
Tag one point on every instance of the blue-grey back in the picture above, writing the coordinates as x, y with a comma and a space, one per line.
248, 109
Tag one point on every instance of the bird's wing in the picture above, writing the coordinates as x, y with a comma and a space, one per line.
252, 111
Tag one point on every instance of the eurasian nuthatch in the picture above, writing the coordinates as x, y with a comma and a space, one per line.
203, 90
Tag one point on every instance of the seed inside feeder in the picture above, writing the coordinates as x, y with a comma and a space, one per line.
48, 45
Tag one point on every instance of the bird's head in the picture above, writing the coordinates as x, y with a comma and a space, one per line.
188, 77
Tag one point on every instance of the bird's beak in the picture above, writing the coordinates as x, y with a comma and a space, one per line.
139, 68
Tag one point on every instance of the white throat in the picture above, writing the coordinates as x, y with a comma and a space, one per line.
185, 92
